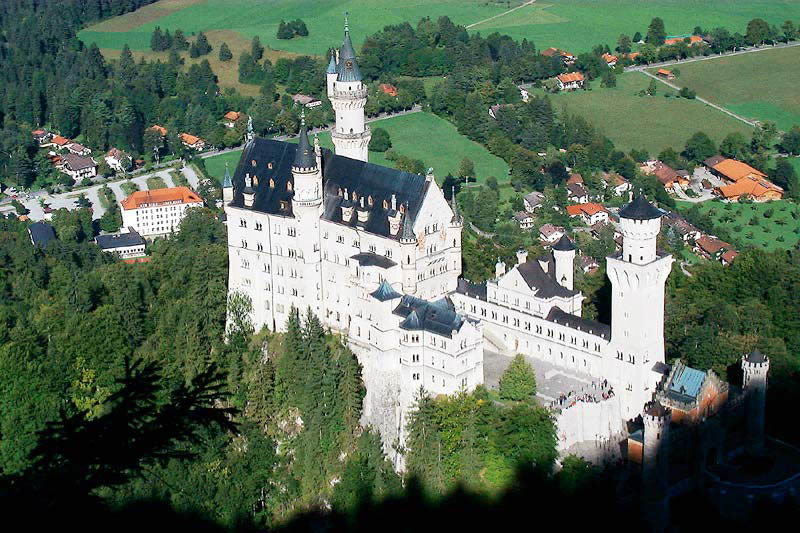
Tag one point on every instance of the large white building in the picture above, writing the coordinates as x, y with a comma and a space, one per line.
158, 212
376, 254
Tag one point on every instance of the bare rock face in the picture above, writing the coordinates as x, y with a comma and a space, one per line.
382, 403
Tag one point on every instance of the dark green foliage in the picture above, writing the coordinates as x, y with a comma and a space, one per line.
292, 29
200, 46
656, 34
380, 141
225, 53
699, 147
518, 382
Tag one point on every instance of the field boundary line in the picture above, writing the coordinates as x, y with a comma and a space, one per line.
504, 13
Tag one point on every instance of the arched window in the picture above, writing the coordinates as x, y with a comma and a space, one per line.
253, 162
255, 181
288, 185
354, 196
369, 200
271, 183
385, 204
269, 165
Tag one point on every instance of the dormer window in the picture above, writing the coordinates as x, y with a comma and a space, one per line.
255, 181
369, 200
269, 165
289, 186
271, 183
253, 162
354, 197
385, 204
402, 208
339, 192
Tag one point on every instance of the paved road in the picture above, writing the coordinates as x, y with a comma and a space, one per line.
748, 50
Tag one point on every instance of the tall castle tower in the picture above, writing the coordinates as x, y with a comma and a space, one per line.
655, 465
307, 209
348, 96
638, 276
755, 367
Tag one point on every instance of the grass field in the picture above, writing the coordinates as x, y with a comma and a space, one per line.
440, 146
761, 86
576, 25
737, 217
653, 123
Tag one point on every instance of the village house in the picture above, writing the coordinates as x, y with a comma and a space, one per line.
79, 149
231, 118
588, 264
550, 234
41, 233
681, 226
633, 55
617, 184
611, 60
497, 107
731, 170
664, 73
193, 142
532, 201
60, 142
566, 57
523, 93
388, 88
577, 193
160, 129
118, 160
757, 189
524, 219
158, 211
570, 81
575, 178
127, 245
669, 177
591, 213
713, 248
693, 40
306, 101
78, 167
42, 136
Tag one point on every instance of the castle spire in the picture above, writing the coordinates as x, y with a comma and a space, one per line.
408, 227
304, 156
454, 206
226, 180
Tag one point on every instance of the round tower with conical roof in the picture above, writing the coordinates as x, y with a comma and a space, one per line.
564, 256
638, 275
348, 97
408, 248
307, 210
755, 367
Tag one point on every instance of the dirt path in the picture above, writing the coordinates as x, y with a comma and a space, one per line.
504, 13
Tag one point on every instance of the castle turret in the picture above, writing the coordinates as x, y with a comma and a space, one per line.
755, 367
330, 74
564, 255
227, 187
638, 276
408, 246
499, 269
348, 96
655, 464
307, 209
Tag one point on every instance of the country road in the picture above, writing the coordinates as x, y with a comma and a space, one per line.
504, 13
749, 50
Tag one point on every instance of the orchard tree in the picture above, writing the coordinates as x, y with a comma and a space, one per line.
758, 31
699, 147
656, 34
623, 44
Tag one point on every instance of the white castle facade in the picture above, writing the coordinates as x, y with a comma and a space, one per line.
376, 254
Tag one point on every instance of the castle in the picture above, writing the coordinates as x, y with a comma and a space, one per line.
376, 254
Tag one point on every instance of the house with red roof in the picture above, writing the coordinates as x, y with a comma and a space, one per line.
590, 212
570, 81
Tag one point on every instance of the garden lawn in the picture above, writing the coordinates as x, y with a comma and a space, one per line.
650, 122
575, 25
767, 231
419, 135
760, 86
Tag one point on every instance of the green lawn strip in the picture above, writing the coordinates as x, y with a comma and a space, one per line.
750, 226
649, 122
156, 182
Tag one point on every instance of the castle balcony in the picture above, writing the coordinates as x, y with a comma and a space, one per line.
355, 94
343, 135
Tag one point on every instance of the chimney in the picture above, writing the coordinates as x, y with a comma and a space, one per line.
522, 256
394, 203
499, 269
429, 174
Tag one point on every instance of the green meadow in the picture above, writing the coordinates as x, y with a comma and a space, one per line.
761, 86
649, 122
769, 225
419, 135
576, 25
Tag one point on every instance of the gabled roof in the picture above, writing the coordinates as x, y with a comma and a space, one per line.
233, 115
639, 209
543, 283
269, 164
558, 316
60, 141
183, 195
385, 292
735, 170
685, 381
588, 209
570, 77
750, 186
522, 216
78, 162
576, 189
534, 198
188, 138
41, 233
160, 129
119, 240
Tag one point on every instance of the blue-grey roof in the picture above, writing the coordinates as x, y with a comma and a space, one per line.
226, 180
557, 316
331, 66
437, 317
756, 357
119, 240
268, 159
366, 259
639, 209
564, 244
42, 234
304, 156
385, 292
686, 381
544, 283
348, 66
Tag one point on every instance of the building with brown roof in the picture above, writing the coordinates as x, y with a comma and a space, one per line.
664, 73
693, 40
570, 81
388, 88
158, 212
231, 118
78, 167
757, 189
192, 142
575, 178
669, 177
611, 60
160, 129
60, 142
733, 170
590, 212
716, 249
566, 57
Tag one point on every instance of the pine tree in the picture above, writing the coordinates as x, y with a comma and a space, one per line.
127, 66
424, 444
518, 382
256, 49
284, 32
157, 40
225, 52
